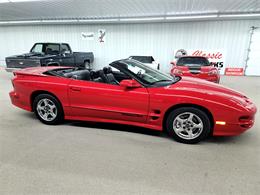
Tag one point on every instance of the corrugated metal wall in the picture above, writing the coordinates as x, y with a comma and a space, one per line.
123, 40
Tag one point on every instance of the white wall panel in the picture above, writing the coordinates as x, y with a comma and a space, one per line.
123, 40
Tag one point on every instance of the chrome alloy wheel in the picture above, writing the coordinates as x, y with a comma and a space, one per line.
188, 125
46, 109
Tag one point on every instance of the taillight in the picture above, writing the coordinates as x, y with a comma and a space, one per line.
213, 72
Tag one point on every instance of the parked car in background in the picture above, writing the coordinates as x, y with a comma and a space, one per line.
49, 54
147, 60
188, 109
197, 67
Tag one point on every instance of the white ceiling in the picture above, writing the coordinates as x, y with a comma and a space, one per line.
11, 10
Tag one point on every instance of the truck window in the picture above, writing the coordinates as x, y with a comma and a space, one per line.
65, 48
37, 48
52, 49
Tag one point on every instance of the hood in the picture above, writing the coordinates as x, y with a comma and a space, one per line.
203, 86
209, 91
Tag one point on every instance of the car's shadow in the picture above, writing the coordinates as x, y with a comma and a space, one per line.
149, 132
145, 131
116, 127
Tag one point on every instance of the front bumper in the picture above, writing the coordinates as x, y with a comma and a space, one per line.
244, 122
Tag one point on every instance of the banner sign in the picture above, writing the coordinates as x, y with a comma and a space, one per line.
234, 71
87, 36
215, 56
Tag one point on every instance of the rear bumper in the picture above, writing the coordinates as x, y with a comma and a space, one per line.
12, 69
16, 100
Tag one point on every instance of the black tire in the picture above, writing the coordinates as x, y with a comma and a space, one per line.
53, 102
182, 131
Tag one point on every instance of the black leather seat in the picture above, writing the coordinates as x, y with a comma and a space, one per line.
108, 76
68, 74
81, 75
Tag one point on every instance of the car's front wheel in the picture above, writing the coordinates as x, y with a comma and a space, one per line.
188, 125
48, 109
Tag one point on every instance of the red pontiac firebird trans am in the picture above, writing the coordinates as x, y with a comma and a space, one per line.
188, 109
197, 67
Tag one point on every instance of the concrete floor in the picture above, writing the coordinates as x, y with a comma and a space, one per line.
89, 158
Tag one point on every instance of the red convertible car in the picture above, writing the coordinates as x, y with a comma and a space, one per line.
188, 109
197, 67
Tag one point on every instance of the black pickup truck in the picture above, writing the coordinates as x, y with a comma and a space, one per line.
50, 54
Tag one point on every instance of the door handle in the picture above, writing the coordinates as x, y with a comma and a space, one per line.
75, 89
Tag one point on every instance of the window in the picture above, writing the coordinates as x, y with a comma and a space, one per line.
65, 48
37, 48
145, 74
52, 49
193, 61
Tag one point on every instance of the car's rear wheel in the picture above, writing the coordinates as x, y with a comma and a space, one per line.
48, 109
188, 125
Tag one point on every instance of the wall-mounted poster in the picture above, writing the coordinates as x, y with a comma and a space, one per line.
215, 56
87, 36
101, 35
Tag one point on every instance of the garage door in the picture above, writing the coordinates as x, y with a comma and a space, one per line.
253, 63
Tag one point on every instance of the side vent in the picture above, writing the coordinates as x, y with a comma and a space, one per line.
155, 114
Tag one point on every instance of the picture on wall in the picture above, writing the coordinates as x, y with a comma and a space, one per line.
101, 35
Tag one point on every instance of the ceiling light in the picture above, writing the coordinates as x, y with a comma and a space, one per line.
98, 20
59, 21
20, 22
16, 1
141, 19
239, 15
191, 17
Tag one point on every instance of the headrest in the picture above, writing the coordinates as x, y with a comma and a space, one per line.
107, 70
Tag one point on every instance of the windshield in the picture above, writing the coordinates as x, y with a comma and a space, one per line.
191, 61
144, 73
143, 59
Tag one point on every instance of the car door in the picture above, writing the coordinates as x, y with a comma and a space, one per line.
93, 100
67, 57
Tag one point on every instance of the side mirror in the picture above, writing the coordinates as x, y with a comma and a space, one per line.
65, 52
130, 83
